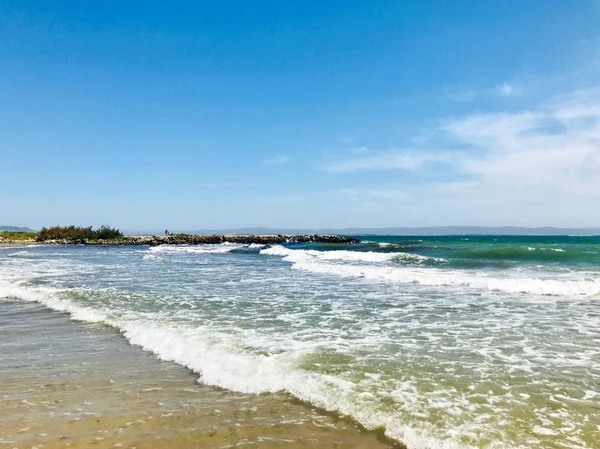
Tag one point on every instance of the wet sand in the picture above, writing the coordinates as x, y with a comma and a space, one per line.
71, 384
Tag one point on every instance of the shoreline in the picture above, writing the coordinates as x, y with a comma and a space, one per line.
95, 388
17, 243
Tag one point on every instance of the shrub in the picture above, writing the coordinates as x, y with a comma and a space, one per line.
106, 233
18, 235
66, 232
78, 233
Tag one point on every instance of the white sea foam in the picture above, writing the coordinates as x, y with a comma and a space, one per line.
316, 262
557, 250
300, 255
382, 324
398, 244
205, 248
19, 254
221, 365
47, 296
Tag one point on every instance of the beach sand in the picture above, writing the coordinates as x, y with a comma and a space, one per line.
71, 384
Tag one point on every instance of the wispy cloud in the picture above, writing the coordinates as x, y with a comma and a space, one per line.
467, 95
508, 90
539, 162
556, 146
393, 159
559, 141
277, 160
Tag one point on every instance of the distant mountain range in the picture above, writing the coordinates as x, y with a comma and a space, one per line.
16, 229
427, 230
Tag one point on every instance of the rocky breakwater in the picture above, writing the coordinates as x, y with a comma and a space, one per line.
186, 239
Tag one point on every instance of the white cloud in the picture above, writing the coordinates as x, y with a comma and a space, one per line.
468, 95
539, 166
389, 160
508, 90
277, 160
556, 146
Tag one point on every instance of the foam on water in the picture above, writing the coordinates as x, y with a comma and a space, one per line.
218, 365
297, 255
201, 249
47, 297
313, 261
19, 254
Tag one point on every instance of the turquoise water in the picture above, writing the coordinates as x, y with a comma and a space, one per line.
445, 342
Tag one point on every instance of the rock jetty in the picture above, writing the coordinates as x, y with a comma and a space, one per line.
185, 239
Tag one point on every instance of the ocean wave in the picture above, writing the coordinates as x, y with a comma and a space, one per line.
206, 248
19, 254
528, 253
317, 263
220, 364
167, 316
47, 297
303, 255
400, 244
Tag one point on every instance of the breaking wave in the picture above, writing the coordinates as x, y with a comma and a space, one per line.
298, 255
205, 248
213, 357
319, 262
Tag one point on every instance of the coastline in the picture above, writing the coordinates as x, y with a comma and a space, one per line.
73, 384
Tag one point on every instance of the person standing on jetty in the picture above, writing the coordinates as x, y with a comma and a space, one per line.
166, 232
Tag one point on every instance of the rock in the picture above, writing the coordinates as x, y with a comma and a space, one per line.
185, 239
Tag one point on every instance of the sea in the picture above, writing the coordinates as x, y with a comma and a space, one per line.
438, 342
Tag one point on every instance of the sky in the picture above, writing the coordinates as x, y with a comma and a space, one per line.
300, 114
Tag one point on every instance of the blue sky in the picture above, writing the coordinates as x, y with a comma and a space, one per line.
195, 115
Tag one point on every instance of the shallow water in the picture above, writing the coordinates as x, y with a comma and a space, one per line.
443, 342
67, 384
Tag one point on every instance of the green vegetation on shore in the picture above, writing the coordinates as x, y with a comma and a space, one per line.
18, 235
78, 233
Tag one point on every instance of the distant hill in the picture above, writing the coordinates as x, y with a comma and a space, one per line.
428, 230
471, 230
16, 229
